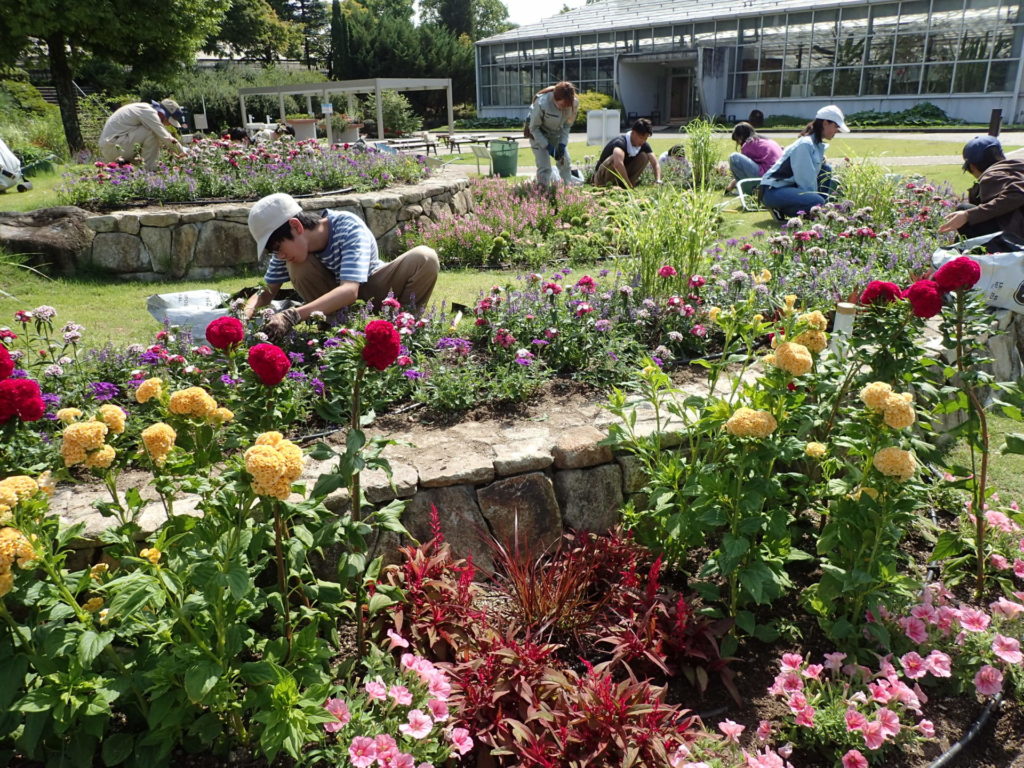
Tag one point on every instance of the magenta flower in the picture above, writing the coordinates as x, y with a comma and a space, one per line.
339, 709
439, 687
586, 284
1007, 649
696, 281
988, 681
855, 721
915, 629
396, 640
461, 740
890, 721
418, 726
854, 759
806, 717
913, 665
813, 671
667, 271
362, 752
732, 730
438, 709
699, 330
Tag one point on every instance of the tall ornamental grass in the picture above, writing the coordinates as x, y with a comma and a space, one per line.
702, 151
865, 184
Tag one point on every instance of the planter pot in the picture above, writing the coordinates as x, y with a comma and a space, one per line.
305, 128
349, 134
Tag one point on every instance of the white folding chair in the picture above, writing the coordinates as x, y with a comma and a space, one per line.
747, 191
482, 153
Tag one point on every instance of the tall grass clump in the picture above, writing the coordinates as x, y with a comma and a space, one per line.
702, 151
865, 184
673, 227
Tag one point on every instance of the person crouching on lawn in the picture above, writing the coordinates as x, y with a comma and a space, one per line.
996, 202
332, 261
624, 158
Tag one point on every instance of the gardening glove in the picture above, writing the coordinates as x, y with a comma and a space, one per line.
560, 152
279, 324
551, 149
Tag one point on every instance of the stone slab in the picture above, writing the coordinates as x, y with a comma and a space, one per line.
462, 524
579, 447
522, 509
590, 498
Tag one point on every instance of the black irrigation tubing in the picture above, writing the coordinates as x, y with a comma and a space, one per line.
973, 731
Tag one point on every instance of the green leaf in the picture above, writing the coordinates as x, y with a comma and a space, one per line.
354, 441
379, 602
262, 673
745, 621
116, 748
132, 592
1014, 443
237, 578
91, 645
326, 485
200, 680
39, 700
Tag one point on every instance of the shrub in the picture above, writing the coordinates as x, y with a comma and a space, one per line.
398, 115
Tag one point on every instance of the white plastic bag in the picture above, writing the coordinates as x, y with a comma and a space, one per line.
189, 309
1002, 274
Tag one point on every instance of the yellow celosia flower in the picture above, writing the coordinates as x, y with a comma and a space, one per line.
768, 359
875, 395
816, 341
68, 415
149, 389
93, 604
898, 412
274, 463
866, 490
790, 299
746, 422
153, 555
46, 483
221, 416
815, 450
713, 313
194, 401
6, 582
100, 458
113, 417
98, 571
14, 548
22, 486
815, 320
80, 438
895, 462
764, 277
159, 440
793, 358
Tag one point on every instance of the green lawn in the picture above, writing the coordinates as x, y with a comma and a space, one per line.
42, 195
1006, 472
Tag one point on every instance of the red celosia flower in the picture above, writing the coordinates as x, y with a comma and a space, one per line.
225, 332
21, 398
959, 274
880, 292
269, 363
382, 344
6, 363
925, 298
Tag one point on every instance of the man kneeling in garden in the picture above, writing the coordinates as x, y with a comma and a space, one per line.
331, 259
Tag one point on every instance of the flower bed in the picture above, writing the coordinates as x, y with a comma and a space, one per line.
215, 169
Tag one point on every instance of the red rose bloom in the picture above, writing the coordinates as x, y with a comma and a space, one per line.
225, 332
382, 344
6, 364
959, 274
21, 398
925, 298
269, 363
880, 292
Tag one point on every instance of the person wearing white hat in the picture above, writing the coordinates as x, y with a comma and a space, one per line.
331, 259
138, 130
801, 179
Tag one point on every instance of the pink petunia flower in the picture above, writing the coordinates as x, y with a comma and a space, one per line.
362, 752
913, 665
400, 694
939, 664
855, 721
915, 629
926, 728
813, 671
889, 720
988, 681
1007, 649
401, 760
387, 748
339, 709
376, 690
806, 717
854, 759
873, 734
461, 740
438, 709
732, 730
764, 730
973, 620
834, 661
1007, 608
396, 640
418, 724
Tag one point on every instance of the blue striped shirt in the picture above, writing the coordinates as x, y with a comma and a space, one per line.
351, 253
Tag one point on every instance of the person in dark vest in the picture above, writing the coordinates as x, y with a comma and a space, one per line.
996, 201
624, 158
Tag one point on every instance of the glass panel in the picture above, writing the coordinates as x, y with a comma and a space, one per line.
1001, 76
905, 79
487, 54
749, 29
876, 81
747, 58
556, 71
884, 18
704, 33
1002, 43
588, 69
588, 45
662, 38
572, 70
820, 83
794, 85
770, 84
606, 42
606, 68
725, 33
969, 76
853, 37
942, 45
847, 82
823, 52
751, 87
880, 49
938, 78
644, 40
771, 56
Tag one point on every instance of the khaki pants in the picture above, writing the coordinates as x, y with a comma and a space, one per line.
605, 173
410, 277
124, 146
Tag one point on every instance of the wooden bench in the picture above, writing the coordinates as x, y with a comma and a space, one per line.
455, 142
407, 144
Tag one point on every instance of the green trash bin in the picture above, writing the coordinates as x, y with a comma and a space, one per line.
504, 157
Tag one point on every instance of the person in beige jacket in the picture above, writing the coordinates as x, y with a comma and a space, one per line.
551, 116
138, 130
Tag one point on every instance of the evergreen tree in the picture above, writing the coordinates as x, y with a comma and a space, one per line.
341, 54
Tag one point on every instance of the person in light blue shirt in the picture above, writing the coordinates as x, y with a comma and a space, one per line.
332, 260
801, 179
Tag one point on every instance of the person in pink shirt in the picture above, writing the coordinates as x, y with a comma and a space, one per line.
756, 154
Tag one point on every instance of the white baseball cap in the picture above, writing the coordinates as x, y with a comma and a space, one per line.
835, 114
268, 214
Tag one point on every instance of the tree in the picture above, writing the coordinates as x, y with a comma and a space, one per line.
340, 60
150, 36
252, 28
490, 17
312, 16
475, 18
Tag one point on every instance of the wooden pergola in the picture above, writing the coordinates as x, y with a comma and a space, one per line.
350, 88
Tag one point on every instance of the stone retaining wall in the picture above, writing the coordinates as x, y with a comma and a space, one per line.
200, 243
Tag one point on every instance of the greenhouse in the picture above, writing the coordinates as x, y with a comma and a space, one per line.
676, 59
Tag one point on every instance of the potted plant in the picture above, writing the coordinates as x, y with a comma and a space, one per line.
345, 128
304, 125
